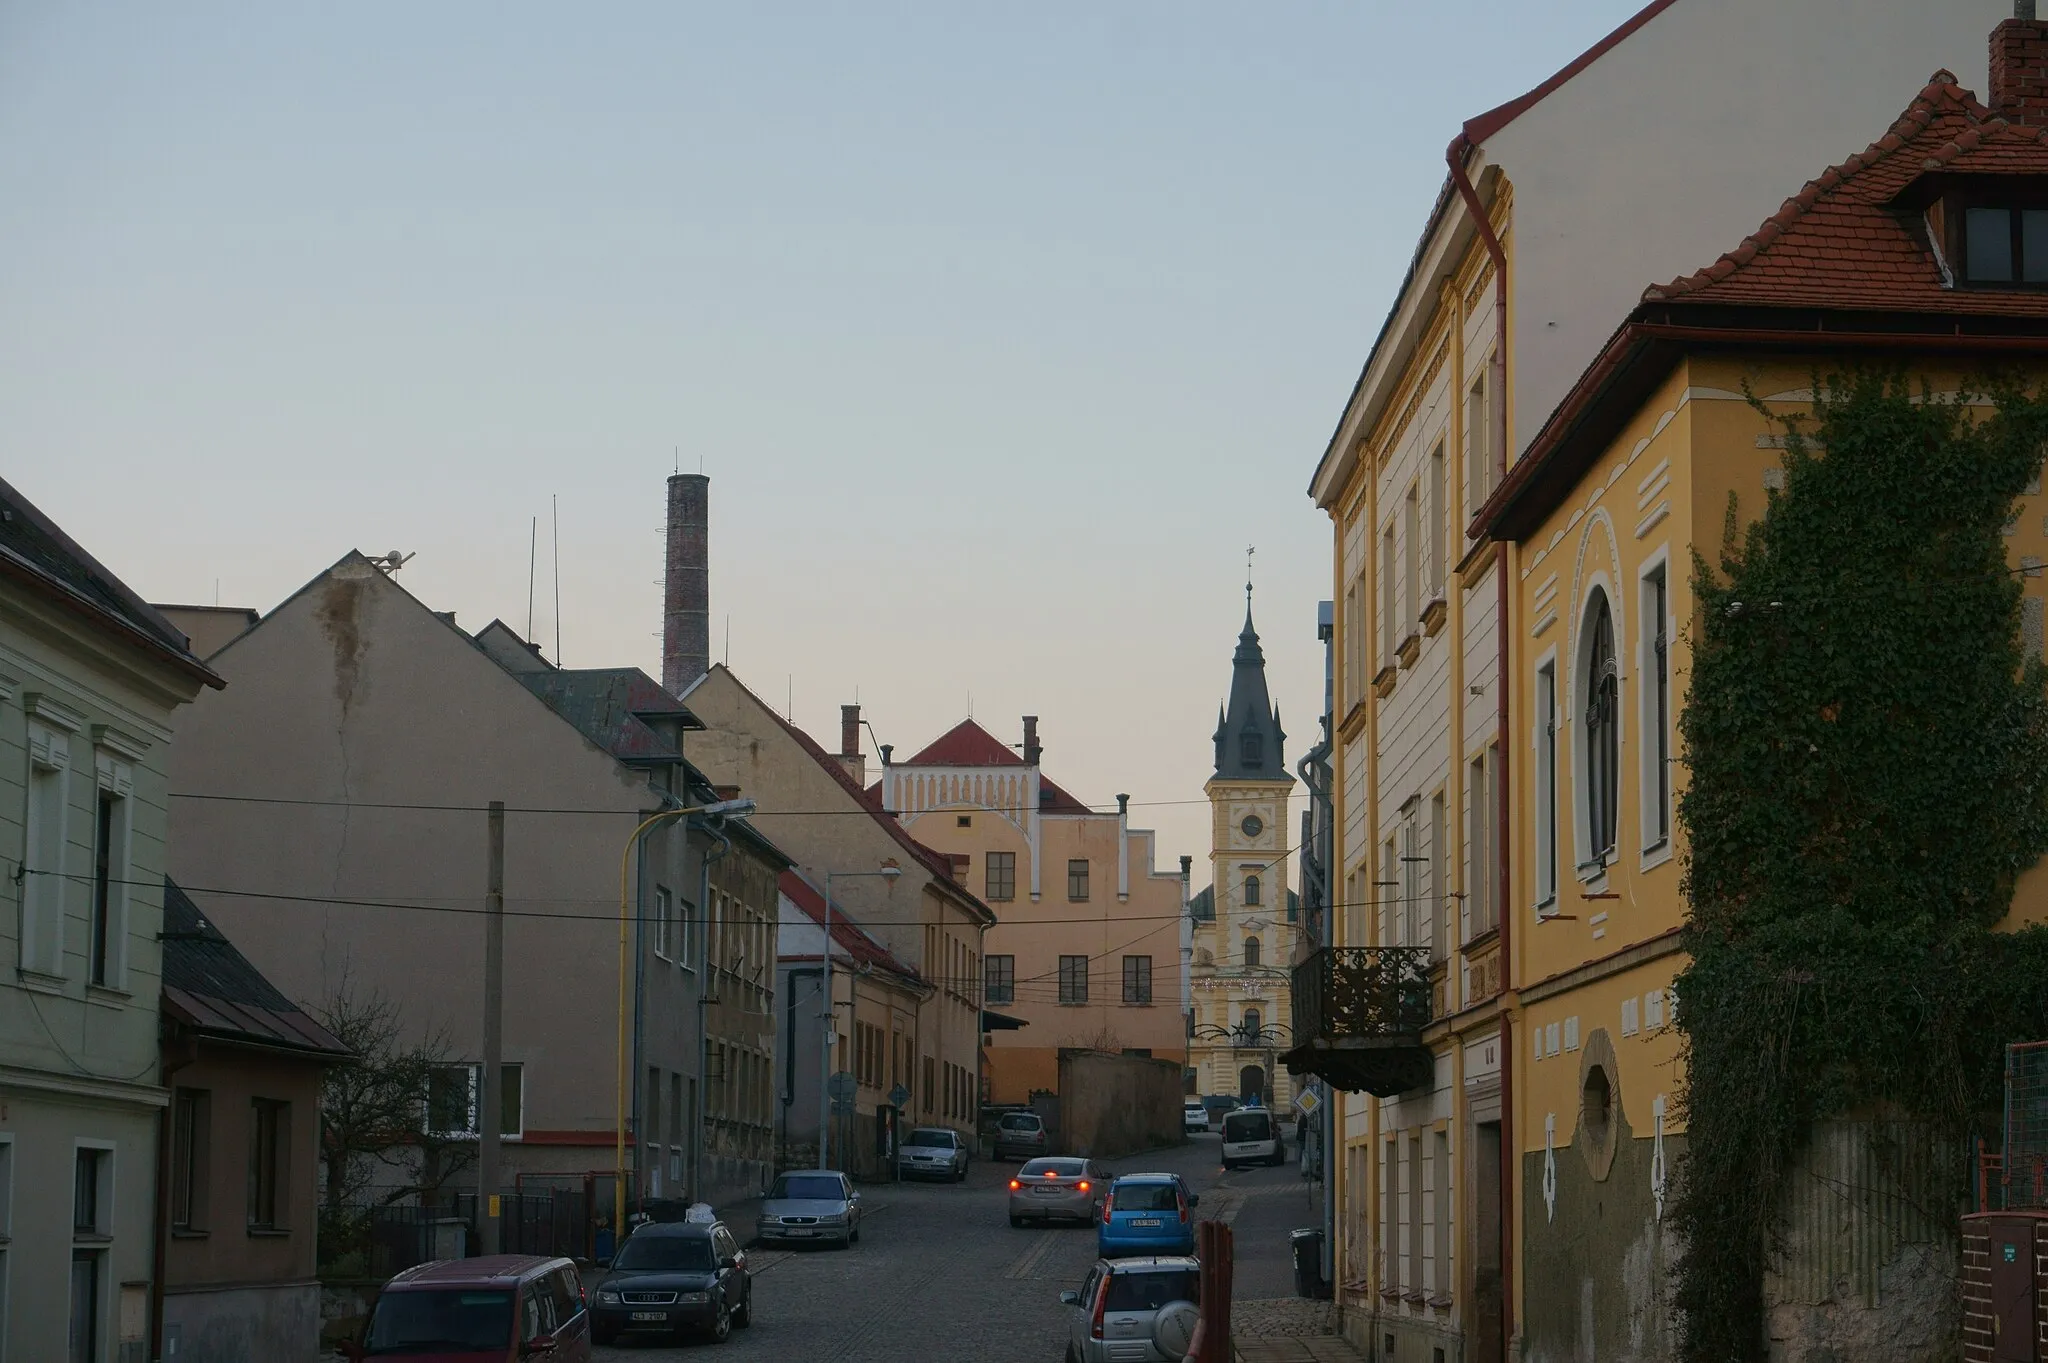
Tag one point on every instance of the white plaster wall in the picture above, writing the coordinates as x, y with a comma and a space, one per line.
1679, 142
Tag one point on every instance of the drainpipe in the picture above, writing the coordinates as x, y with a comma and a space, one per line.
187, 1053
1460, 151
703, 990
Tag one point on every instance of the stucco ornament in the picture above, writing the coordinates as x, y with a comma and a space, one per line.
1550, 1166
1657, 1158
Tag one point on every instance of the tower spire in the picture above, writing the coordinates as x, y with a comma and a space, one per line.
1248, 735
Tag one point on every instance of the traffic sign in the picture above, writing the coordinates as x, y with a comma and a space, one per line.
1307, 1101
899, 1096
842, 1085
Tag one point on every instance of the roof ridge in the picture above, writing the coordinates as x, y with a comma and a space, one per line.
1942, 94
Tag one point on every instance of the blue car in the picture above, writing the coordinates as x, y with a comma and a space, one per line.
1147, 1214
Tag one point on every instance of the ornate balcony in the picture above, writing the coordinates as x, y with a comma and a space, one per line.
1358, 1019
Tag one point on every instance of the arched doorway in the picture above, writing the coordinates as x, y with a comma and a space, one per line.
1251, 1084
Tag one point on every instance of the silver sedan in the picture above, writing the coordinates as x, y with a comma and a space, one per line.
1056, 1186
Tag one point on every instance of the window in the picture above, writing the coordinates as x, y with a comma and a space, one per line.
1546, 785
1478, 443
270, 1135
1439, 900
1254, 1025
2005, 244
1413, 1280
1656, 744
1411, 559
191, 1112
92, 1177
49, 797
963, 821
1441, 1187
1137, 979
85, 1305
1251, 952
931, 1082
1077, 880
1251, 746
1001, 972
103, 876
1252, 891
1390, 634
1414, 915
1479, 848
1439, 511
662, 942
1354, 643
1073, 979
686, 934
452, 1097
1602, 685
999, 874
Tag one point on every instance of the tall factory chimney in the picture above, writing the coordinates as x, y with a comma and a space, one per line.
686, 586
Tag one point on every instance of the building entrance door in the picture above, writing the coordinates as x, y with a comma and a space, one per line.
1488, 1291
1251, 1084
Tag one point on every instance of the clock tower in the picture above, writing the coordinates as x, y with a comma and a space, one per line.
1245, 924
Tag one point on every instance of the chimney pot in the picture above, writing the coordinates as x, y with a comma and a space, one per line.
887, 749
2019, 68
1123, 805
1031, 748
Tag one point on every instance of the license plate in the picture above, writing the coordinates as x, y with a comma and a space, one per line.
801, 1231
650, 1315
1146, 1221
1048, 1192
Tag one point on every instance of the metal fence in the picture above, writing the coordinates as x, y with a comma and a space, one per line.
2023, 1172
396, 1235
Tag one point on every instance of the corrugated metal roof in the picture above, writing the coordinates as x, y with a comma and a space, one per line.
607, 705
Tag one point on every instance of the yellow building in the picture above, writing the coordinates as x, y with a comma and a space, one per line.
1085, 950
1633, 472
1245, 924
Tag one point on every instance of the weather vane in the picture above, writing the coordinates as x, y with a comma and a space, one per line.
1249, 550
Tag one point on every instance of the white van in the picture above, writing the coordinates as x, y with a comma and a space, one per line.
1251, 1136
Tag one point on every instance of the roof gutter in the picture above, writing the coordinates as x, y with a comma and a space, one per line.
1457, 155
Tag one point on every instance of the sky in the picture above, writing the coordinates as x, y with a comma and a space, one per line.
1002, 331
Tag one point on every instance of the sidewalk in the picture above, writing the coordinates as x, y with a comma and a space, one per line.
1288, 1330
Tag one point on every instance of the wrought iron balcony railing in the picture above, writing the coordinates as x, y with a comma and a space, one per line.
1359, 1013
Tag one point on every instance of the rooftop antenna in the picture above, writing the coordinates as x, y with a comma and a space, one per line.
532, 558
679, 457
555, 502
789, 697
728, 641
216, 591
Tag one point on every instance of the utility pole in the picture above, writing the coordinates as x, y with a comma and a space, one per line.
490, 1085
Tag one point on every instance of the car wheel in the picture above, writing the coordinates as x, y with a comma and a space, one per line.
744, 1317
603, 1334
721, 1324
1016, 1221
854, 1238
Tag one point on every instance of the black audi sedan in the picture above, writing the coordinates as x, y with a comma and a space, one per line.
672, 1276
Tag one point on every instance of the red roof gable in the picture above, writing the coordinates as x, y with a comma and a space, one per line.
966, 744
1842, 242
849, 935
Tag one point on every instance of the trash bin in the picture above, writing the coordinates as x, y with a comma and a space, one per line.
1308, 1262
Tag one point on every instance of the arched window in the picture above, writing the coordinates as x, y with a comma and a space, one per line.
1253, 748
1601, 689
1251, 1024
1251, 890
1251, 951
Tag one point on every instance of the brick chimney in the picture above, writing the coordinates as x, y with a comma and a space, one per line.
849, 744
2019, 67
686, 585
1031, 749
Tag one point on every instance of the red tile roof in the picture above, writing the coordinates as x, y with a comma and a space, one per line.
967, 744
1841, 243
849, 935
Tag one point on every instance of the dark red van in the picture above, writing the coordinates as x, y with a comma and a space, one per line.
506, 1308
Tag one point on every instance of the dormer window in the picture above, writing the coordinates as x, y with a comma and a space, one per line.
2005, 244
1253, 748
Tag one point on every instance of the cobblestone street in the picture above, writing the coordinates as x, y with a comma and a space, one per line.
940, 1274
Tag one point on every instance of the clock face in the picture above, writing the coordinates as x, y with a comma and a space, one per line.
1253, 825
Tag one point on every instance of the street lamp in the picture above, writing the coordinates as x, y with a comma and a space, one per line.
727, 808
890, 870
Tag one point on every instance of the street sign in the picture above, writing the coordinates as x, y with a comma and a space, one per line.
842, 1106
1307, 1101
842, 1085
899, 1096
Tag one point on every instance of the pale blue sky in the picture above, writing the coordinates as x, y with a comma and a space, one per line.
1001, 329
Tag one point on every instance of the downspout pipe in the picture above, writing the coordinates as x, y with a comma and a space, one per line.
1457, 157
703, 993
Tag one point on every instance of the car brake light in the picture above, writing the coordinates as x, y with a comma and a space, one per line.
1014, 1185
1101, 1300
1105, 1211
1183, 1208
1084, 1185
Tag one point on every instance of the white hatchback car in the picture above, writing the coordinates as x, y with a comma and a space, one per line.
1193, 1116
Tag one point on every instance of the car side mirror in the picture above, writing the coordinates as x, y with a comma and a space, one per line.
728, 1261
854, 1198
1070, 1299
605, 1262
539, 1344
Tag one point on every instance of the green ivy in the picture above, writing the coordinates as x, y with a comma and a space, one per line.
1867, 742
